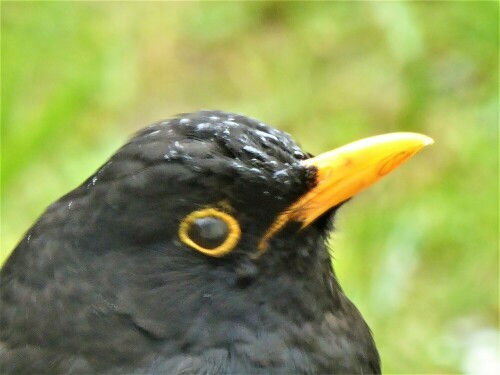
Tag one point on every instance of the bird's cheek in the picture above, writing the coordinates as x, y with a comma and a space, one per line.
246, 272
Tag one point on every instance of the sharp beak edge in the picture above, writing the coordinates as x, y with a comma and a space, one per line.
344, 172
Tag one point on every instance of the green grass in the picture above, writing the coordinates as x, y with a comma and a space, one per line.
418, 252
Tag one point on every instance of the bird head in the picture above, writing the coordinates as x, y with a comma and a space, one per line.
203, 230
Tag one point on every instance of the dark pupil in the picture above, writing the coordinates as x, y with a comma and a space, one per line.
209, 232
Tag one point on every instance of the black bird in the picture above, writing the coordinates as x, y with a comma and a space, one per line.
198, 248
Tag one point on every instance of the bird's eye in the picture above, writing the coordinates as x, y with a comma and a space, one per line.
210, 231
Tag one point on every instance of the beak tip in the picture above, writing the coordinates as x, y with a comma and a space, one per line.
427, 141
415, 138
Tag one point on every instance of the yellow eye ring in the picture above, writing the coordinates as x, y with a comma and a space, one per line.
232, 238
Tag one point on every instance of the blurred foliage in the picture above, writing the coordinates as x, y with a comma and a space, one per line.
418, 253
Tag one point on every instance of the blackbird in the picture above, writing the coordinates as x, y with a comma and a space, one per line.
199, 247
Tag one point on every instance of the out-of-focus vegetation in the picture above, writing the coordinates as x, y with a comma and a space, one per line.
418, 253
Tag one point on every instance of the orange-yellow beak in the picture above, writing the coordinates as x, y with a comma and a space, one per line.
345, 171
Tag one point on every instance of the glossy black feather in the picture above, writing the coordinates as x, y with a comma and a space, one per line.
101, 283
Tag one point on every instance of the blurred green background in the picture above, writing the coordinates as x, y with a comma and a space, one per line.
418, 253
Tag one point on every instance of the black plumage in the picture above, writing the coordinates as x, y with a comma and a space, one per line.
102, 283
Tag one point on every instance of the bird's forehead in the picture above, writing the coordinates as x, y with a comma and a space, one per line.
235, 140
222, 155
